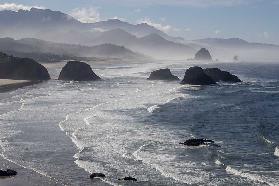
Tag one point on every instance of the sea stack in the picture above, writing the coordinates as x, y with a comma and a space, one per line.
197, 76
162, 74
218, 75
203, 54
77, 71
21, 69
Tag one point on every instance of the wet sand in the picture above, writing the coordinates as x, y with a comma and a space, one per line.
25, 177
9, 84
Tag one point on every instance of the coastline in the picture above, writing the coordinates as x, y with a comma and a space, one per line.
24, 177
7, 85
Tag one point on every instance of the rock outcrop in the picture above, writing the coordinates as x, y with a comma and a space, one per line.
7, 173
162, 74
97, 175
197, 76
197, 142
218, 75
21, 69
77, 71
203, 54
129, 178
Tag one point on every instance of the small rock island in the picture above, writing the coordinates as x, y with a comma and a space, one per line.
78, 71
162, 74
218, 75
203, 54
196, 76
21, 69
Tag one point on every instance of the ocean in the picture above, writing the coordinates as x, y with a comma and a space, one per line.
125, 125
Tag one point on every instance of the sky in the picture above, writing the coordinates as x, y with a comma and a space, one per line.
252, 20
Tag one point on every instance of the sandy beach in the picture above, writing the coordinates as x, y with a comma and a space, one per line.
9, 84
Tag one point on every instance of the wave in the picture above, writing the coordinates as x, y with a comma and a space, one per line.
153, 108
266, 140
250, 176
276, 152
218, 162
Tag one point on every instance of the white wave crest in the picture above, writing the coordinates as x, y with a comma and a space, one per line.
276, 152
249, 176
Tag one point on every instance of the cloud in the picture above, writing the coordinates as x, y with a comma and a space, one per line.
119, 18
17, 7
159, 26
86, 15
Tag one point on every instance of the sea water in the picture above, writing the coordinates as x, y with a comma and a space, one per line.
126, 125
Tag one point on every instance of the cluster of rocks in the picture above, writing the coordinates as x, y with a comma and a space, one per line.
101, 175
28, 69
196, 76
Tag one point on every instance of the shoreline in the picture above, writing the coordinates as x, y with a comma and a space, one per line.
24, 176
7, 85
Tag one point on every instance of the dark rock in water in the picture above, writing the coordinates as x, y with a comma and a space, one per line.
219, 75
203, 54
7, 173
97, 175
128, 179
162, 74
197, 142
21, 69
77, 71
196, 76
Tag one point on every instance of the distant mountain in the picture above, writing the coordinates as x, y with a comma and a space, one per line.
151, 45
232, 42
49, 51
223, 42
34, 16
139, 30
58, 27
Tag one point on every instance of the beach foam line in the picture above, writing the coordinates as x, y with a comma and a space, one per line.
135, 154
